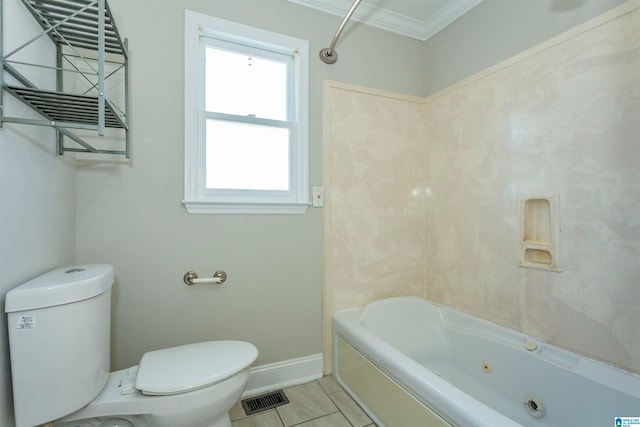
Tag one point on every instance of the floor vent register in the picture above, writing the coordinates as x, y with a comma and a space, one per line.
266, 401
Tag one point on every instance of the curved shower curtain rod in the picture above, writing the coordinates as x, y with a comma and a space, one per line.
329, 55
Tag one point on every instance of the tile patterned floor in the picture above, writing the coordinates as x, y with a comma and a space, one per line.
320, 403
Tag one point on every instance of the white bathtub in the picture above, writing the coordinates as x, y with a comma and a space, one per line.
469, 372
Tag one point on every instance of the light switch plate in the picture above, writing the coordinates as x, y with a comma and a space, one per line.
318, 197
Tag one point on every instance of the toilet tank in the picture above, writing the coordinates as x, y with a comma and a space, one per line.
59, 339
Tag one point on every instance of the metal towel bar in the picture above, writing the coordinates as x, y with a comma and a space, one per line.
191, 278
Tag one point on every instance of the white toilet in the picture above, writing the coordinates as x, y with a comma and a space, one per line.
59, 336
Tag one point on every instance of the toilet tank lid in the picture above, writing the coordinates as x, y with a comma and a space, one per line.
192, 366
60, 286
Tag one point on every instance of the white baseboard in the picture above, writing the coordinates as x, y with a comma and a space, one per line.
283, 374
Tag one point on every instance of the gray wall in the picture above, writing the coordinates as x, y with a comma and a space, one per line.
498, 29
37, 193
37, 226
130, 215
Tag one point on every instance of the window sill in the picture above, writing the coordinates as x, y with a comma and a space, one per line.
228, 208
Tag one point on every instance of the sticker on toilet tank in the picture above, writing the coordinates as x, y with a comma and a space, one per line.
26, 322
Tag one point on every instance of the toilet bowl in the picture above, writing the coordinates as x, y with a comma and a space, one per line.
54, 315
202, 406
193, 385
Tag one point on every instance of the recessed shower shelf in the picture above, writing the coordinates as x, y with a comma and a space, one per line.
539, 232
89, 47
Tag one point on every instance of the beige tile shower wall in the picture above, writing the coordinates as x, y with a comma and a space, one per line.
374, 173
561, 119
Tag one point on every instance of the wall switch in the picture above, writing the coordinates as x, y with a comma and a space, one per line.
318, 197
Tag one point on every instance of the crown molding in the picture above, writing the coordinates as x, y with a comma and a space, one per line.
420, 29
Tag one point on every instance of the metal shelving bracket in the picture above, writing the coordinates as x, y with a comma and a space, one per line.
89, 49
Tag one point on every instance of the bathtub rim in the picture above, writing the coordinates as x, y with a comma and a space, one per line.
615, 377
447, 399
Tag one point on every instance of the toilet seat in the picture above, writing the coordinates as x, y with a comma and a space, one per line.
192, 366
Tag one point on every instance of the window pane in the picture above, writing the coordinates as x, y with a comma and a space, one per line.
245, 85
247, 157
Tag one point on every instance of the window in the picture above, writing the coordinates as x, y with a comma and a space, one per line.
246, 132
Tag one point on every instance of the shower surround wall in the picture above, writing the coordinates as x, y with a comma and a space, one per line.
561, 119
374, 210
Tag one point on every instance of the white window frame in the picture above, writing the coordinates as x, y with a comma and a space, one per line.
197, 198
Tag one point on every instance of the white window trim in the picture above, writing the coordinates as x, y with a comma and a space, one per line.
196, 200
